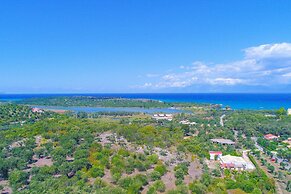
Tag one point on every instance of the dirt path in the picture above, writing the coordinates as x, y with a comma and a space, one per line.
107, 176
169, 179
194, 172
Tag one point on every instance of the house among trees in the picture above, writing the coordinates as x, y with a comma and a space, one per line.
187, 122
234, 163
215, 154
223, 141
70, 159
168, 117
270, 137
37, 110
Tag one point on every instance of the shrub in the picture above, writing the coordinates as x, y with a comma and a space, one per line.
179, 181
160, 186
197, 187
99, 183
248, 186
216, 173
179, 173
153, 158
17, 178
97, 171
162, 169
152, 190
155, 175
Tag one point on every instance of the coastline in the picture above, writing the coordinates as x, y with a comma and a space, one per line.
237, 101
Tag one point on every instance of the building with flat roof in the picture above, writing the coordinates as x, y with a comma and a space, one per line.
235, 163
223, 141
168, 117
232, 162
187, 122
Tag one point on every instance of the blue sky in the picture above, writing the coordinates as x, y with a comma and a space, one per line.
54, 46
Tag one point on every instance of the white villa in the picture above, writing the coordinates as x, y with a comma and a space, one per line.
235, 163
187, 122
168, 117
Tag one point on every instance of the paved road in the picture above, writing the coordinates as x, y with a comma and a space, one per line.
221, 120
256, 144
279, 160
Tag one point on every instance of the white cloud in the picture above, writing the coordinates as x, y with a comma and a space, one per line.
226, 81
287, 75
280, 50
264, 65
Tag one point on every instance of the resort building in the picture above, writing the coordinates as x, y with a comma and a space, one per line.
37, 110
235, 163
270, 137
215, 154
223, 141
187, 122
168, 117
289, 111
270, 115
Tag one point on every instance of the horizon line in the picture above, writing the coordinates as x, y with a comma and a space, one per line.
88, 93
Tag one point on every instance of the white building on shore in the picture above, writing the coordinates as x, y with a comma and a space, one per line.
168, 117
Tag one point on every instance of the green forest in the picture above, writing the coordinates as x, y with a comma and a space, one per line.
88, 101
124, 153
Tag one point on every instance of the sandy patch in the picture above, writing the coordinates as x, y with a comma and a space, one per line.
169, 179
7, 188
42, 162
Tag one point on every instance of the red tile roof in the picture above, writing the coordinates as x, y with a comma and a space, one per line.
270, 136
215, 152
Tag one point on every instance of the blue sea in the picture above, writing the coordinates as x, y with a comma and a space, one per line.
235, 100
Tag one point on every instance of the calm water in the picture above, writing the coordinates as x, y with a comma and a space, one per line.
109, 109
236, 101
